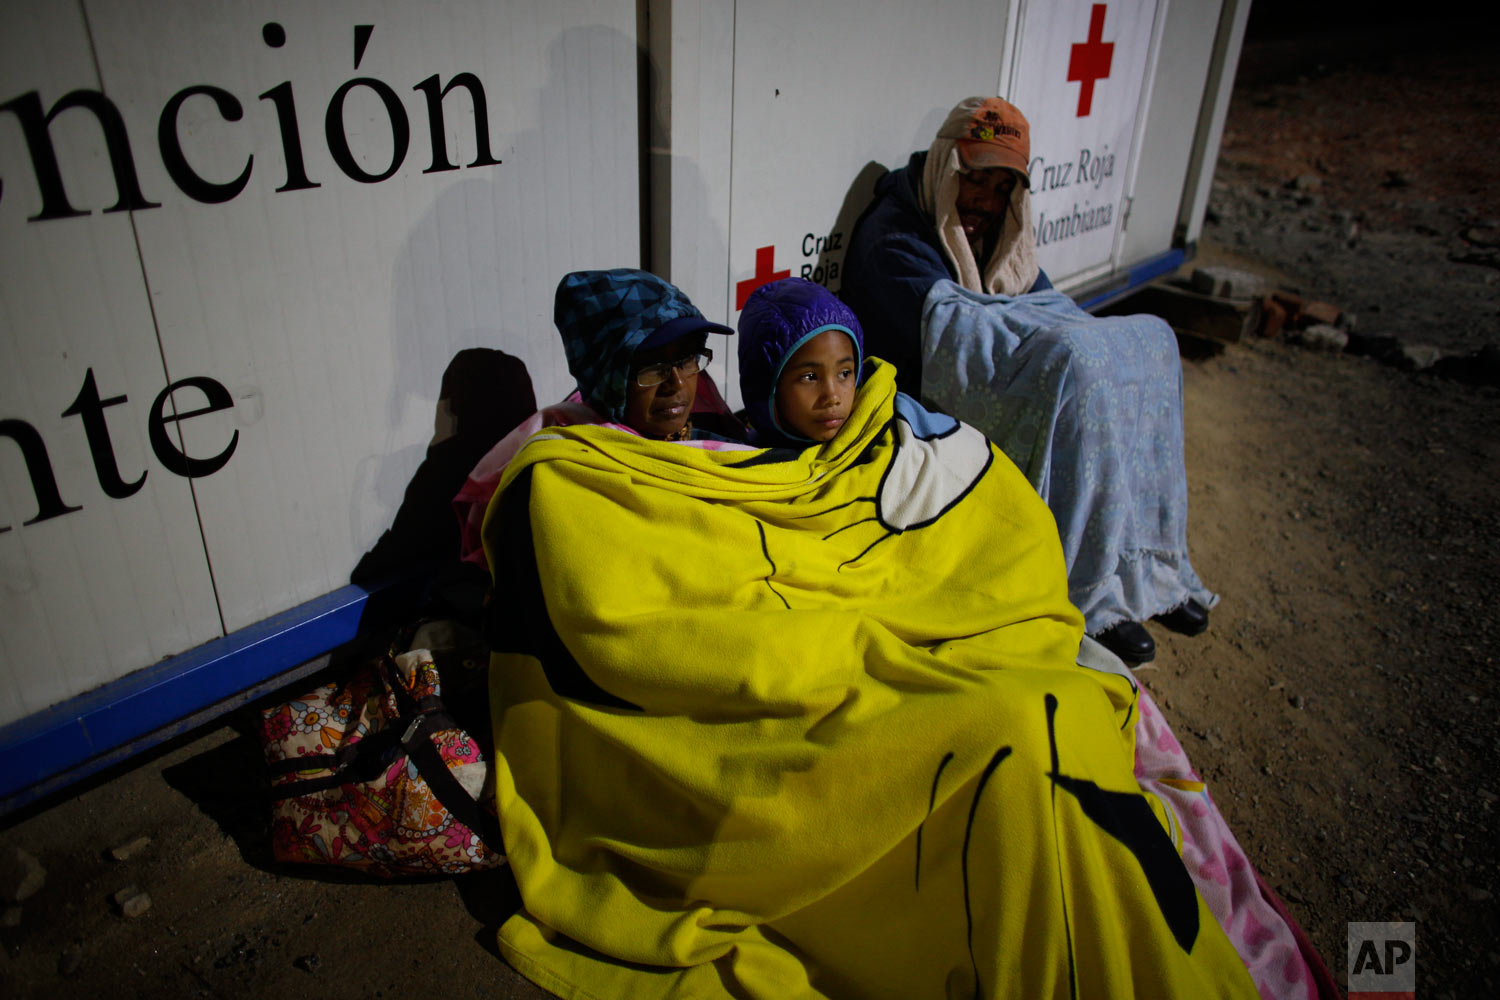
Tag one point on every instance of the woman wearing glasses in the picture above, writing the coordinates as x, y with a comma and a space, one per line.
663, 386
638, 348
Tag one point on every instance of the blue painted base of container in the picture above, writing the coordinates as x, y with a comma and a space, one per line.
1117, 286
50, 749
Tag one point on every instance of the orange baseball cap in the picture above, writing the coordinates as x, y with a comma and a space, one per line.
990, 132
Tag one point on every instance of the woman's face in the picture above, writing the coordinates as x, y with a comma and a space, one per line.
661, 410
816, 389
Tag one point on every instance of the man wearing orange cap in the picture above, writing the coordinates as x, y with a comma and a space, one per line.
964, 201
942, 272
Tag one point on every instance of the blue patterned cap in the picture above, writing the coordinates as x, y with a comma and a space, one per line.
606, 316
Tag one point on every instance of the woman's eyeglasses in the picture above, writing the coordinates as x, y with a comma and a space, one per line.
657, 374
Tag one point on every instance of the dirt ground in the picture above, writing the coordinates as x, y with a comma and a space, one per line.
1344, 709
1342, 706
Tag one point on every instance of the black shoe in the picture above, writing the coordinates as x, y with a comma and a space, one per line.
1129, 641
1189, 618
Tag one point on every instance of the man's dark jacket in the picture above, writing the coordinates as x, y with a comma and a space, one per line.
893, 260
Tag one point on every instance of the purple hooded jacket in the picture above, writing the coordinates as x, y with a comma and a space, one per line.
777, 319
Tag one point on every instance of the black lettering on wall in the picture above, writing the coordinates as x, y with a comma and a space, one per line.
169, 454
49, 501
90, 407
437, 127
338, 141
291, 137
176, 163
35, 125
362, 33
286, 118
333, 120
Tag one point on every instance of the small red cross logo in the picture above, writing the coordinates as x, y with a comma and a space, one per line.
765, 260
1089, 61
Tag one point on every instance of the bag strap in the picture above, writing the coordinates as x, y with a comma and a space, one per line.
362, 762
363, 751
428, 715
450, 793
357, 761
406, 705
412, 729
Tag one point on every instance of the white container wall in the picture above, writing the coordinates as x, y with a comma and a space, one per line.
242, 241
1079, 72
782, 116
321, 220
783, 120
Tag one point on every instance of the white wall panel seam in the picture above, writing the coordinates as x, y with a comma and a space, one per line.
726, 367
156, 327
1137, 142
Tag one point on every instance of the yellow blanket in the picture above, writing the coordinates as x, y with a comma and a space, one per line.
778, 725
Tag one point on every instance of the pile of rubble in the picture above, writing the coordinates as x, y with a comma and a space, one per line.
1224, 304
22, 876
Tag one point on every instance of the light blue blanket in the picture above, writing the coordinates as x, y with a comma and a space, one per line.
1090, 409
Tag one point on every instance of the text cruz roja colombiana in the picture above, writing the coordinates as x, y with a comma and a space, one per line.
1091, 169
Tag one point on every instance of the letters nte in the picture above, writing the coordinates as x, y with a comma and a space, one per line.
89, 406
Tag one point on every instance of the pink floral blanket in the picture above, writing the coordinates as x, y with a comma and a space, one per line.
1280, 958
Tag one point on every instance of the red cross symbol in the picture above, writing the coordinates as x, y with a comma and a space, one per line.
765, 259
1089, 61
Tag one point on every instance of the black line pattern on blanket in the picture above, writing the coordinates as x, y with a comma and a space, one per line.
868, 455
1127, 817
771, 456
984, 778
829, 510
851, 524
1051, 702
766, 551
931, 801
846, 562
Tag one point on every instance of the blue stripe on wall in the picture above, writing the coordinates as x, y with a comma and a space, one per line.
1146, 271
69, 735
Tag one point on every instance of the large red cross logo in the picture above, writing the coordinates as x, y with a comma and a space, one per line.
765, 262
1089, 61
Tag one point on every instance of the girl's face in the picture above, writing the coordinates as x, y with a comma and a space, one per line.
816, 389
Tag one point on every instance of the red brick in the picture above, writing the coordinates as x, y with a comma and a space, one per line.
1290, 301
1318, 312
1272, 317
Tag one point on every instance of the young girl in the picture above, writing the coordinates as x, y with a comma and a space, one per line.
800, 351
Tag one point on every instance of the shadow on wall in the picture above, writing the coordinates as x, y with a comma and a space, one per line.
477, 256
828, 269
484, 394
